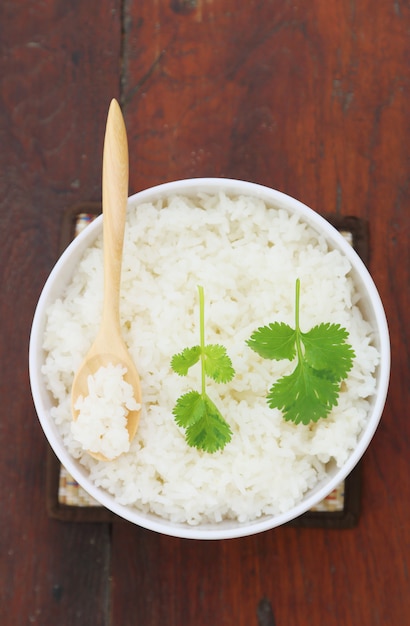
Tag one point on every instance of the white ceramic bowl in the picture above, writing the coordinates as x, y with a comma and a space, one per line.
372, 309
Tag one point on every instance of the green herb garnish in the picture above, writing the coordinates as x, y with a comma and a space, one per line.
323, 361
206, 429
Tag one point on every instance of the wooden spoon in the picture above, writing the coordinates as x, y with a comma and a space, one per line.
109, 346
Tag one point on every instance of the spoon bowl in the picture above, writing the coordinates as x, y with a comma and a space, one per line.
109, 346
102, 355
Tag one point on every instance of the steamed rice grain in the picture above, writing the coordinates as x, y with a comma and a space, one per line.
247, 257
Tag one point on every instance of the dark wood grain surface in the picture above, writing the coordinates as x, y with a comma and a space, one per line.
309, 97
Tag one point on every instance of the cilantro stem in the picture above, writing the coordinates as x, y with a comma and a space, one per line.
202, 336
297, 298
297, 327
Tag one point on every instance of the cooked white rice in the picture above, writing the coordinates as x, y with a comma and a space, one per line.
101, 423
247, 257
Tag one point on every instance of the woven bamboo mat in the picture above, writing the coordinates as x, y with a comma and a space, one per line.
68, 501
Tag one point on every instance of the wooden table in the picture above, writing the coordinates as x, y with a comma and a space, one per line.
309, 97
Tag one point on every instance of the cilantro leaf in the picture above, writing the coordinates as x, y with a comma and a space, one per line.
206, 429
325, 348
188, 409
275, 341
303, 396
181, 362
209, 432
323, 360
218, 365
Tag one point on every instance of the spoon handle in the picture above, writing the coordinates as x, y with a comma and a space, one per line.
114, 198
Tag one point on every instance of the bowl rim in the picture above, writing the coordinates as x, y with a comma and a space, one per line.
226, 529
